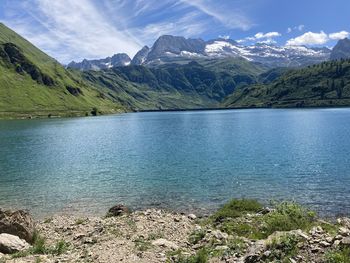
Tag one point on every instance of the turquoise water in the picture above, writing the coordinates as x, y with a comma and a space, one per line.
176, 160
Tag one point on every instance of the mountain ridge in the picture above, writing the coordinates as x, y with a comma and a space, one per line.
169, 49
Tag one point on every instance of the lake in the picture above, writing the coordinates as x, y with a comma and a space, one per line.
184, 161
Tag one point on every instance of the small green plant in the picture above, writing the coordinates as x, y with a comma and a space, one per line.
236, 208
20, 254
131, 223
60, 248
48, 220
202, 256
39, 246
196, 236
288, 216
79, 221
141, 244
341, 255
283, 247
155, 235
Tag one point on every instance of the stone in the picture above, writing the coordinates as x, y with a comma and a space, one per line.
161, 242
118, 210
11, 244
254, 252
336, 243
192, 216
220, 235
344, 221
267, 253
343, 231
345, 242
324, 244
18, 223
315, 249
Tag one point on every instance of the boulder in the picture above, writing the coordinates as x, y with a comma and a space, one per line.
118, 210
18, 223
11, 244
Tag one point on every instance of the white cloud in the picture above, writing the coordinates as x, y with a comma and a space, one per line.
77, 27
309, 38
300, 27
229, 17
178, 27
267, 38
339, 35
296, 28
261, 35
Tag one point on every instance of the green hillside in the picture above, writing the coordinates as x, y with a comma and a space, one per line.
197, 84
32, 83
323, 85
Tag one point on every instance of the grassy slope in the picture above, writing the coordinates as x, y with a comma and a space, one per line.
199, 84
21, 95
323, 85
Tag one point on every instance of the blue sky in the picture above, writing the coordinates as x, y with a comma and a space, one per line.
76, 29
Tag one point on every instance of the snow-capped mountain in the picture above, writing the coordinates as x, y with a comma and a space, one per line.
168, 49
117, 60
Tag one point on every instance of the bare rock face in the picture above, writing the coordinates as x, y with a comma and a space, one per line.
11, 244
118, 210
18, 223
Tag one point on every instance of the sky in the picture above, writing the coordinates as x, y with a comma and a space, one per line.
77, 29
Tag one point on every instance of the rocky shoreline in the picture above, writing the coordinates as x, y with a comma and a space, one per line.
241, 231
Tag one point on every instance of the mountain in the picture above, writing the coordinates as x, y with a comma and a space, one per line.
32, 83
116, 60
176, 49
174, 45
169, 49
325, 84
175, 86
140, 56
341, 49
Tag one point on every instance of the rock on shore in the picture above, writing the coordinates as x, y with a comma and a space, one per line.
159, 236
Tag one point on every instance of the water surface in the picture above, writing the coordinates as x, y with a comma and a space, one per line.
176, 160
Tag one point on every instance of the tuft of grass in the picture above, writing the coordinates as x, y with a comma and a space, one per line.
237, 208
155, 235
288, 216
60, 248
79, 221
40, 248
202, 256
283, 247
142, 245
341, 255
197, 236
48, 220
